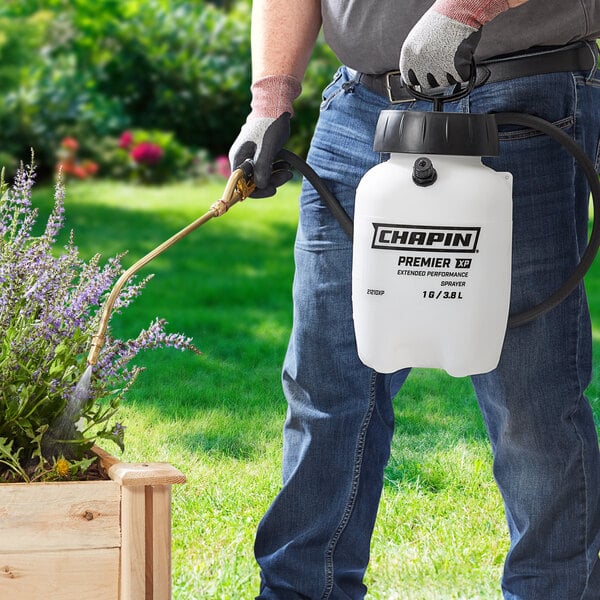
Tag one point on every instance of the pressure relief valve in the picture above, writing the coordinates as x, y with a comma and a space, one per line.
424, 173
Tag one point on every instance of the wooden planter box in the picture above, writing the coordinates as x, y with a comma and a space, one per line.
92, 540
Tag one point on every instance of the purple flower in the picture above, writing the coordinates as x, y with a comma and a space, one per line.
50, 307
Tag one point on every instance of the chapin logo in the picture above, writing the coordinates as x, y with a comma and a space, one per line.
425, 238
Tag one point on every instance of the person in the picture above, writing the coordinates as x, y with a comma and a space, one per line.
540, 58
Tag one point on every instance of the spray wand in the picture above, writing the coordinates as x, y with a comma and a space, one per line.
238, 188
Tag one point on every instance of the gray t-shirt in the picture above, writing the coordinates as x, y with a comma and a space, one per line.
367, 35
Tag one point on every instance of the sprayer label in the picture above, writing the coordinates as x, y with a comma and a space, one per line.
422, 237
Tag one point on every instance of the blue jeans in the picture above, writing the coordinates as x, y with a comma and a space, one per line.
314, 540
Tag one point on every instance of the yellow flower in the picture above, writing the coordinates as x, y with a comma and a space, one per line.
62, 467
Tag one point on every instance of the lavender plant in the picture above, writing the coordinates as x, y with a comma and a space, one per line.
50, 306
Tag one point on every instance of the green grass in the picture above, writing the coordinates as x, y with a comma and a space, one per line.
440, 533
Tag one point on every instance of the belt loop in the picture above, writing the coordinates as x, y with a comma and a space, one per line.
593, 47
353, 74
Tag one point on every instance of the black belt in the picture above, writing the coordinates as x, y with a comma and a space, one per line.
580, 56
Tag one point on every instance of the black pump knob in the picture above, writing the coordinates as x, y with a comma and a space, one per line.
424, 173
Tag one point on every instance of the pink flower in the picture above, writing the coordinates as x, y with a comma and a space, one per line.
223, 166
78, 171
90, 167
70, 143
126, 140
147, 153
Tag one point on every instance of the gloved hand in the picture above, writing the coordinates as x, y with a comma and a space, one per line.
439, 49
266, 130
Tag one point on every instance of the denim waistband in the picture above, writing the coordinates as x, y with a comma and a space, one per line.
579, 56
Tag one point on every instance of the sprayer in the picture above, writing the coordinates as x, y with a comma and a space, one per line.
432, 246
432, 238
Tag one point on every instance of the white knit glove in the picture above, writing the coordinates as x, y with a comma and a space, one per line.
439, 49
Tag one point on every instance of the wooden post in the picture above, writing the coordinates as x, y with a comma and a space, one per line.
145, 500
158, 559
133, 543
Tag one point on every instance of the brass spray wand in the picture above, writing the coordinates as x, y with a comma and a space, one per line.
239, 186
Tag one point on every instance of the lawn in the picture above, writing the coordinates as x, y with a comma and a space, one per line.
217, 417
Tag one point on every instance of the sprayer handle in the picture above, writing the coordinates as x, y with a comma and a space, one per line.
460, 90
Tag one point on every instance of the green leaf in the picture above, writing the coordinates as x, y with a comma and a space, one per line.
10, 458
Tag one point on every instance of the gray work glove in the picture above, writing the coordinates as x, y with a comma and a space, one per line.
439, 49
266, 131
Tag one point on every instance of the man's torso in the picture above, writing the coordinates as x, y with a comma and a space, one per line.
367, 35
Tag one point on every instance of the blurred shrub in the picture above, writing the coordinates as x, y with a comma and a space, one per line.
52, 95
91, 69
148, 156
20, 41
71, 163
185, 69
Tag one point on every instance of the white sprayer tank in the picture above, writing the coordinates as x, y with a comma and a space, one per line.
432, 246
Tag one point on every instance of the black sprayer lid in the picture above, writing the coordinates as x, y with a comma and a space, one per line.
416, 132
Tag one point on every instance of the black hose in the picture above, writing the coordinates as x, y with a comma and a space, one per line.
330, 200
523, 120
591, 250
